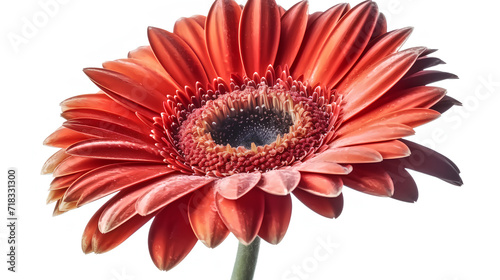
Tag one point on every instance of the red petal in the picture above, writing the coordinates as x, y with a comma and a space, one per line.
151, 79
344, 45
63, 137
221, 34
423, 63
380, 27
124, 118
177, 58
259, 35
115, 149
370, 179
145, 56
350, 155
98, 101
293, 27
389, 149
205, 221
321, 185
277, 214
105, 129
376, 80
119, 212
432, 163
54, 161
424, 78
405, 188
194, 35
243, 216
74, 164
170, 236
111, 178
95, 241
65, 181
329, 207
237, 185
375, 133
169, 189
279, 182
127, 92
376, 51
315, 37
323, 167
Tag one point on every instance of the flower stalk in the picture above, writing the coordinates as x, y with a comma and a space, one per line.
246, 260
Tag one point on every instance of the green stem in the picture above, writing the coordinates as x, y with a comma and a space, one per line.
246, 260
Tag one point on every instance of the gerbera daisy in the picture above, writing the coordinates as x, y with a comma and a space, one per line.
213, 127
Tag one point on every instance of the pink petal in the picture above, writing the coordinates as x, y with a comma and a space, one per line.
65, 181
237, 185
279, 182
170, 236
243, 216
329, 207
205, 221
221, 34
320, 184
277, 214
259, 35
165, 191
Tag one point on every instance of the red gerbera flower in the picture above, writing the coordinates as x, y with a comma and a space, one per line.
212, 128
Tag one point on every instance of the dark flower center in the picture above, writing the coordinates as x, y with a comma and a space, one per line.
260, 126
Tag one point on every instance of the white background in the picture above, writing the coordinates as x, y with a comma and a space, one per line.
451, 233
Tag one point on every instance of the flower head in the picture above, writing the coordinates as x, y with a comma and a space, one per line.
210, 129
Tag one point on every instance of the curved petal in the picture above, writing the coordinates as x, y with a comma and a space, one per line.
405, 188
95, 241
389, 149
115, 149
108, 179
54, 161
221, 34
64, 137
374, 81
165, 191
279, 182
64, 182
375, 133
350, 155
432, 163
180, 62
370, 179
320, 184
243, 216
315, 37
259, 35
237, 185
445, 104
323, 167
127, 91
293, 27
376, 51
74, 164
194, 35
423, 78
277, 215
170, 236
204, 218
330, 207
344, 45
